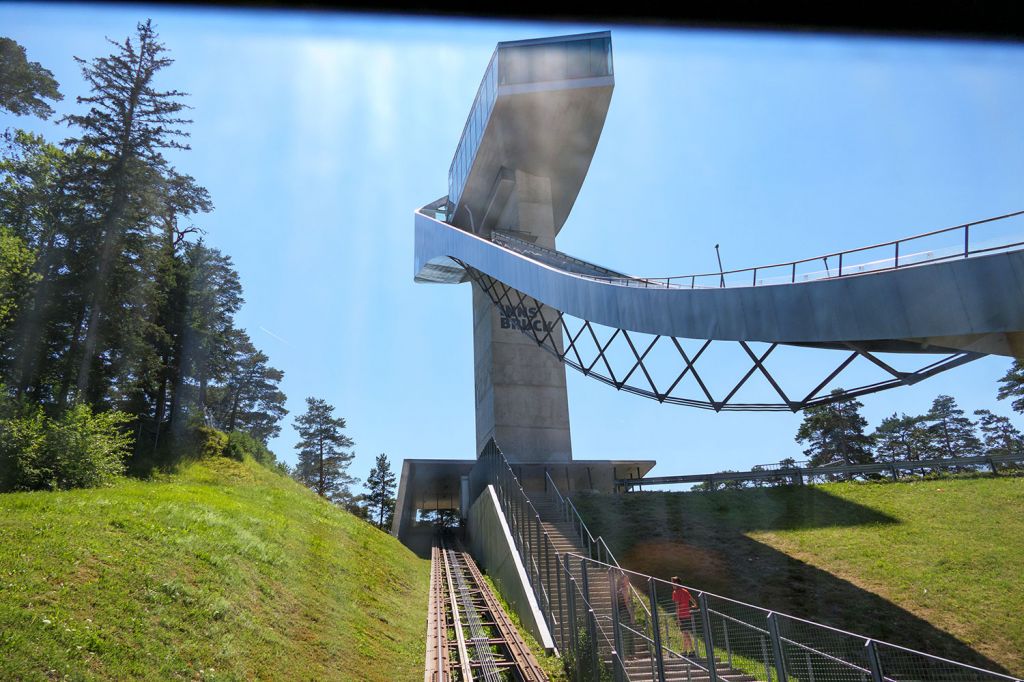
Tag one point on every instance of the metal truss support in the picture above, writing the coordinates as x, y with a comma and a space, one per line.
600, 365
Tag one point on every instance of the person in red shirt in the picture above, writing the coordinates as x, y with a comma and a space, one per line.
684, 615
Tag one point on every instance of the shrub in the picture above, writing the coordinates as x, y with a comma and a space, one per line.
79, 449
87, 449
210, 442
241, 444
23, 463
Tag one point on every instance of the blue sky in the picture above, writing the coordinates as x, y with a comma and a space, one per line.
318, 134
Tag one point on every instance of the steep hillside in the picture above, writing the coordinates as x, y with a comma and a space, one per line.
224, 571
935, 565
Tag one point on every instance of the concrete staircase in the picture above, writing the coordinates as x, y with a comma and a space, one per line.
638, 664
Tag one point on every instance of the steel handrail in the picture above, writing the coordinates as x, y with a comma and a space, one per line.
599, 540
668, 282
807, 622
836, 254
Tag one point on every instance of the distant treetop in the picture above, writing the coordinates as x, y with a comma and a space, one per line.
25, 85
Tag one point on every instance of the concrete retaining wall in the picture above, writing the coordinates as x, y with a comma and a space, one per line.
491, 543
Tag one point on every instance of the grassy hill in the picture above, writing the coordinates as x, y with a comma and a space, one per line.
225, 570
936, 565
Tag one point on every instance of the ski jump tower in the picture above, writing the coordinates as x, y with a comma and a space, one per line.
943, 298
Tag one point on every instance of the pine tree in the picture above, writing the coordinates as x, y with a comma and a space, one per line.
129, 122
835, 433
24, 85
1012, 386
323, 460
248, 399
42, 190
380, 498
950, 433
1000, 436
900, 438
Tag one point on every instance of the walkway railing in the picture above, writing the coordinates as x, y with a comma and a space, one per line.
719, 637
553, 591
977, 238
531, 539
799, 474
612, 621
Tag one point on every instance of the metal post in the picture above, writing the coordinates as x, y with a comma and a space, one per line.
709, 645
591, 618
897, 265
721, 274
764, 655
728, 648
780, 664
547, 562
659, 659
573, 624
840, 264
561, 602
534, 544
967, 240
873, 662
619, 655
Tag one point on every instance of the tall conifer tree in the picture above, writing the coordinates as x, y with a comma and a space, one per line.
380, 498
129, 122
323, 451
835, 433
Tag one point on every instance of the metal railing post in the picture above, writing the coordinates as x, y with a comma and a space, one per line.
535, 541
773, 631
570, 586
728, 648
591, 619
764, 655
709, 646
967, 240
619, 654
659, 659
873, 662
547, 561
561, 602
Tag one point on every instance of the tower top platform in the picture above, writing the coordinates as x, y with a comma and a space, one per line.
540, 109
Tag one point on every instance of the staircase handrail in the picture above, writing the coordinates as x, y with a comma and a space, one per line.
599, 541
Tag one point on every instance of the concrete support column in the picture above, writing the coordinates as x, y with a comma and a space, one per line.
521, 399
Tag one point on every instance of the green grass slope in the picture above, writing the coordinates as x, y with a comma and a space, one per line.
936, 565
223, 571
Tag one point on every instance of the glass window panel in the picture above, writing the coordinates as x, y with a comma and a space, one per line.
517, 65
578, 59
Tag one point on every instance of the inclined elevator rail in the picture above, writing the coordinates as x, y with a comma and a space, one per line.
469, 635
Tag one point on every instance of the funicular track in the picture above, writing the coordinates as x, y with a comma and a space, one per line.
469, 635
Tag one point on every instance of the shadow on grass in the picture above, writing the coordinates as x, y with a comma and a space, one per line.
160, 452
701, 538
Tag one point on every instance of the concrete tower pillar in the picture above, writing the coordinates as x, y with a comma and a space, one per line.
521, 399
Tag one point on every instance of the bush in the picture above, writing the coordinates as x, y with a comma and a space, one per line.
210, 442
23, 463
88, 449
79, 449
241, 444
